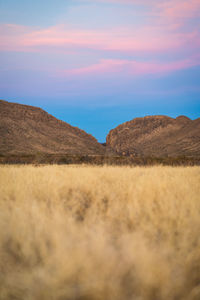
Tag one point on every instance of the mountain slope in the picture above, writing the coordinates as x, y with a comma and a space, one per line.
157, 136
28, 129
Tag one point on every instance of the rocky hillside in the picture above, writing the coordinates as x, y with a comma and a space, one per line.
28, 129
157, 136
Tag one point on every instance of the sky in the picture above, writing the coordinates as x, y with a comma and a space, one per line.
98, 63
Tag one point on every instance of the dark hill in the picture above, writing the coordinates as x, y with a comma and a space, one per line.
28, 129
157, 136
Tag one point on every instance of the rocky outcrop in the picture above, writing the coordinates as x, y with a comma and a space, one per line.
157, 136
27, 129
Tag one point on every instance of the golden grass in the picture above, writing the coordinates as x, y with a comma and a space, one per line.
99, 233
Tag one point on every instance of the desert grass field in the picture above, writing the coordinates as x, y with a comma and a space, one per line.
99, 233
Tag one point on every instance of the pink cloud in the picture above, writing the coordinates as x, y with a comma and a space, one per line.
180, 8
11, 37
167, 8
104, 66
145, 39
161, 35
132, 67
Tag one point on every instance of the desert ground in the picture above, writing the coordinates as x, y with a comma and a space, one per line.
99, 233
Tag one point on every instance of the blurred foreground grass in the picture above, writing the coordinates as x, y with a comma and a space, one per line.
99, 233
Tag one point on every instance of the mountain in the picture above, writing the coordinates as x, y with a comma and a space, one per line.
30, 130
27, 129
157, 136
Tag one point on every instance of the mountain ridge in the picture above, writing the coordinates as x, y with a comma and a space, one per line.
25, 128
156, 136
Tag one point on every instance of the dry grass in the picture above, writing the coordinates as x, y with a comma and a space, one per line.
99, 233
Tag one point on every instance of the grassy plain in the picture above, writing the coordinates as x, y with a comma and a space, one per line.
99, 233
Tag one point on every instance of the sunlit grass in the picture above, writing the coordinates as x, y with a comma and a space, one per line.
99, 233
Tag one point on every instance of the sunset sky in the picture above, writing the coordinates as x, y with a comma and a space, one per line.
98, 63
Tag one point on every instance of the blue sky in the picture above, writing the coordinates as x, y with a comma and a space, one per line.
96, 64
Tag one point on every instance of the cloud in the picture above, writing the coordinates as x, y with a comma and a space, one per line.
161, 34
180, 8
169, 8
131, 67
63, 37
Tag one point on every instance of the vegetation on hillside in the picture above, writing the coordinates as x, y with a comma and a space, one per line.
110, 159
